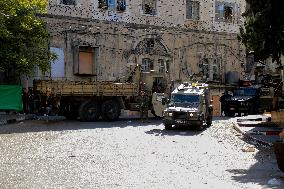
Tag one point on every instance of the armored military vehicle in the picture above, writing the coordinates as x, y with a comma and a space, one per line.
189, 105
253, 99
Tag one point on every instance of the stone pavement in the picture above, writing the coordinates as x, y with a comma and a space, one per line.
258, 128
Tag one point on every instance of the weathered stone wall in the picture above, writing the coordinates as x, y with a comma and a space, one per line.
190, 47
168, 14
121, 45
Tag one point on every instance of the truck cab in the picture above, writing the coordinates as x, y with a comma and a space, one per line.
189, 105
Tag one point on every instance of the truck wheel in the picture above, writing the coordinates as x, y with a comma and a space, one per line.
110, 110
89, 111
69, 110
168, 126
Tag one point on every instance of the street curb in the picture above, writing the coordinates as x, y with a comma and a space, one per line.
7, 119
250, 137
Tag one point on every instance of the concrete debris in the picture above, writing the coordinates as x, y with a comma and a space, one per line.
274, 182
248, 149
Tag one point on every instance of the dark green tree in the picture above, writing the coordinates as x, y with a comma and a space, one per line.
263, 29
23, 37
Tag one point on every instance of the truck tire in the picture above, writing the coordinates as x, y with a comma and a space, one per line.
110, 110
69, 110
89, 111
168, 126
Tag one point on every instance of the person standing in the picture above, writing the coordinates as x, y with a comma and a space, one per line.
144, 105
223, 99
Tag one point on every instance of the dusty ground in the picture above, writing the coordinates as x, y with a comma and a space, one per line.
131, 154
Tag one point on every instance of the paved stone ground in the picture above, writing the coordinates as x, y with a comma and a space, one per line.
131, 154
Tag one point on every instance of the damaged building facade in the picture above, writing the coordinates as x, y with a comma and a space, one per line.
103, 40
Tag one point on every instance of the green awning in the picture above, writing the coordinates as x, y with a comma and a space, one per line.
11, 97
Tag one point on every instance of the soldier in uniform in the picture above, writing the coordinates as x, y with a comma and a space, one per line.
144, 104
223, 99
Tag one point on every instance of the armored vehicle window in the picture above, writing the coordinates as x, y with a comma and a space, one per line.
185, 98
245, 92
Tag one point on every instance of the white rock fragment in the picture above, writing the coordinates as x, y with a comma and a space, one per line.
274, 182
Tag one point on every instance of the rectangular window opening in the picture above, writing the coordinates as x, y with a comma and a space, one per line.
103, 4
224, 12
228, 13
68, 2
86, 60
147, 65
149, 7
162, 66
119, 5
192, 10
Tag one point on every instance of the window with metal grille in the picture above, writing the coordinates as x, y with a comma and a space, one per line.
161, 66
147, 65
119, 5
204, 67
68, 2
150, 7
192, 10
216, 72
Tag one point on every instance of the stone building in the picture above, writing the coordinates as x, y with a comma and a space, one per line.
104, 39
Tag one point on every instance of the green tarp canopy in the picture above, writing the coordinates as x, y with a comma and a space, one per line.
11, 97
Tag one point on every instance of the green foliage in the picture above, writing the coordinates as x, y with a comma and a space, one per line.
23, 37
263, 29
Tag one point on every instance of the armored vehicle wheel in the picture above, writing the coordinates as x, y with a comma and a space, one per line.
168, 126
231, 114
110, 110
200, 127
89, 111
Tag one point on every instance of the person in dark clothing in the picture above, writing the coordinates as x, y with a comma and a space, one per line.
223, 99
144, 105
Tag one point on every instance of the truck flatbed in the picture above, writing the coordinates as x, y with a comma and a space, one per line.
85, 88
